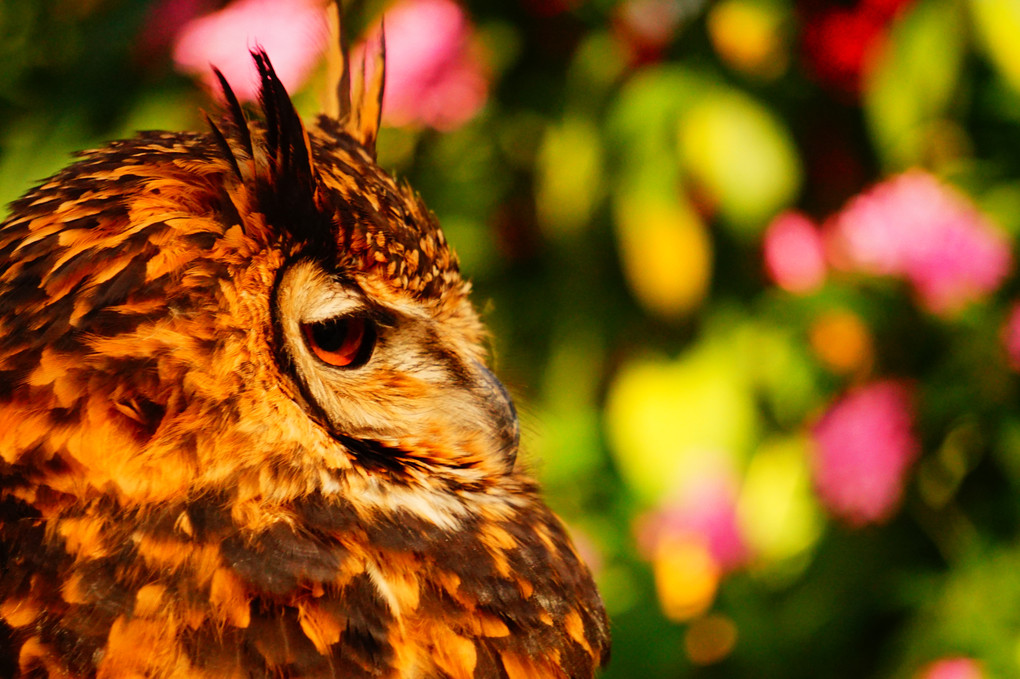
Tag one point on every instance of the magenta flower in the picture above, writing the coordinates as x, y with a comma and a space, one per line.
953, 668
914, 227
293, 32
434, 77
794, 253
704, 510
864, 447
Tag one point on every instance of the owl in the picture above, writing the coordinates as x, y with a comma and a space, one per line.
247, 427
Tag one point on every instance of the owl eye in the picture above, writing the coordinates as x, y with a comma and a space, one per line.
344, 341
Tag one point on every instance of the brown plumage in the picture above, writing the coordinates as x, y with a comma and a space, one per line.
246, 427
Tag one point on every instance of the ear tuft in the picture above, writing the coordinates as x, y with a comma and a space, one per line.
358, 103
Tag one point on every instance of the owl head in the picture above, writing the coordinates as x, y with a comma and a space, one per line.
248, 422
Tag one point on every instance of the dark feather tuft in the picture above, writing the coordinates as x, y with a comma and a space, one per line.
271, 94
288, 198
236, 113
221, 141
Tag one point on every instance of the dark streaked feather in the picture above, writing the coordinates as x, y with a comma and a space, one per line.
221, 141
288, 194
236, 113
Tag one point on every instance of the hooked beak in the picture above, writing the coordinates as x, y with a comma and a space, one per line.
507, 428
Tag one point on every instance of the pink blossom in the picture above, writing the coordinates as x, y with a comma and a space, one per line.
1011, 337
864, 447
794, 253
952, 668
704, 509
293, 32
914, 227
433, 74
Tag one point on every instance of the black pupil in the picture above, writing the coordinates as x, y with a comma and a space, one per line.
330, 335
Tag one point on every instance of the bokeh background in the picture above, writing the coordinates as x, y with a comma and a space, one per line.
749, 267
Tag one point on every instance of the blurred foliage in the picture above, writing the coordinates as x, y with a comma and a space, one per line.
610, 203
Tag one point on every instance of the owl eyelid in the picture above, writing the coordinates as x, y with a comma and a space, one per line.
381, 317
345, 301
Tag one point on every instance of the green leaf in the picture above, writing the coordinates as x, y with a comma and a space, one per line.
642, 124
742, 158
912, 82
664, 246
569, 175
672, 420
997, 25
777, 509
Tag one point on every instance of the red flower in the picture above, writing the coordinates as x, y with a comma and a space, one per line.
838, 38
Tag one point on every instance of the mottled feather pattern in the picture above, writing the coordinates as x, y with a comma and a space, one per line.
176, 499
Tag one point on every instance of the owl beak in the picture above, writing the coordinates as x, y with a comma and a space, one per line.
506, 427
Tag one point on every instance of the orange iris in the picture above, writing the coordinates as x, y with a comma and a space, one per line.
343, 342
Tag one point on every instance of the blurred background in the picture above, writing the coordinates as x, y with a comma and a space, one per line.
749, 269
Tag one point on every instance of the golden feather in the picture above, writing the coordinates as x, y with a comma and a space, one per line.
248, 427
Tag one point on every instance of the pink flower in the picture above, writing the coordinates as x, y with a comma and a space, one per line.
1011, 337
433, 74
693, 540
952, 668
704, 510
864, 447
914, 227
293, 32
794, 253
